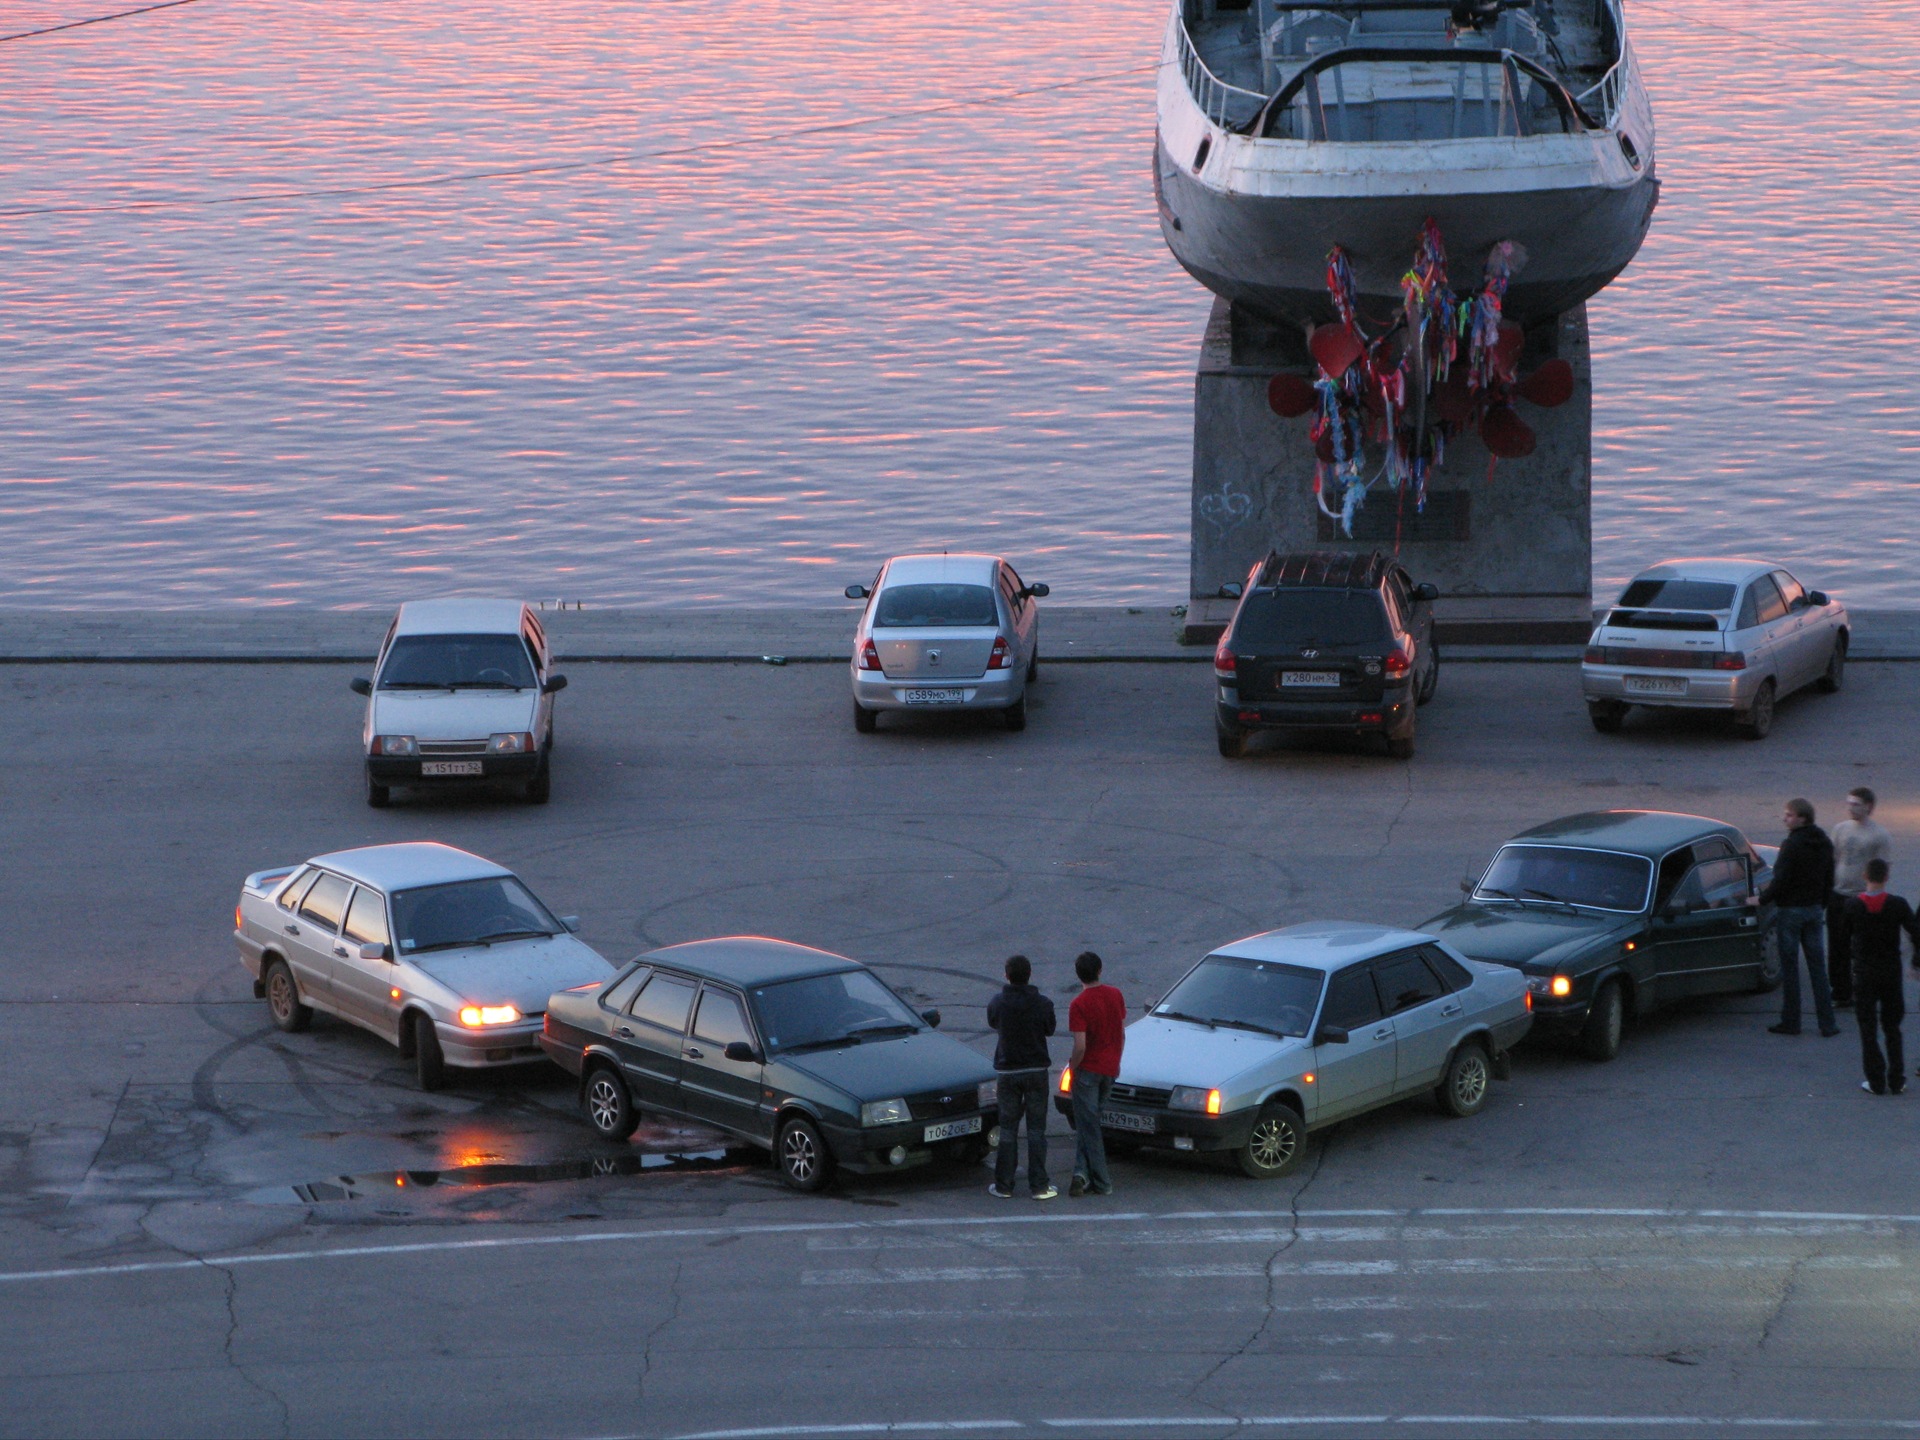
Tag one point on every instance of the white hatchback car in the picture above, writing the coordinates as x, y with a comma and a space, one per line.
1733, 635
462, 693
945, 632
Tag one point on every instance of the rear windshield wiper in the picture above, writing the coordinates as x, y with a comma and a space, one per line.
416, 685
832, 1043
894, 1027
486, 685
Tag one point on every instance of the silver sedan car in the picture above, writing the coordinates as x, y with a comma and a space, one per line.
1732, 635
945, 632
1288, 1031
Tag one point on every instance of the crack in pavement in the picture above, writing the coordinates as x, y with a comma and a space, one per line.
226, 1348
1787, 1289
1406, 803
646, 1350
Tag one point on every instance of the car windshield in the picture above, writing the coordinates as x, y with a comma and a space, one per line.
1677, 595
1550, 874
1288, 619
457, 662
468, 912
916, 606
846, 1007
1246, 994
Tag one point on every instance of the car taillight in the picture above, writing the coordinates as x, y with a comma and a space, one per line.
1002, 657
869, 656
1730, 660
1594, 655
1399, 664
1224, 665
236, 917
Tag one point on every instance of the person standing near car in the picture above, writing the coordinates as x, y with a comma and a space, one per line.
1098, 1020
1875, 920
1802, 884
1856, 840
1024, 1018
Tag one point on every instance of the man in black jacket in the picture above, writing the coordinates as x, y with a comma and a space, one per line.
1024, 1018
1876, 919
1802, 884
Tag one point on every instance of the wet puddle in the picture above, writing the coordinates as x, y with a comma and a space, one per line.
384, 1184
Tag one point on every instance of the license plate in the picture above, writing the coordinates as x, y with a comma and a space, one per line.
450, 767
934, 697
952, 1128
1311, 679
1125, 1120
1654, 685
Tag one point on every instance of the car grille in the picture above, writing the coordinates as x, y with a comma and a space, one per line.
937, 1104
1141, 1095
1658, 659
453, 747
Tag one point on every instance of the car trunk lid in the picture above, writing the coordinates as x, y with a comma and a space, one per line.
934, 654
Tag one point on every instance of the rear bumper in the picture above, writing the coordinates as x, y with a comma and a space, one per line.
1704, 689
995, 690
1172, 1129
405, 769
1391, 711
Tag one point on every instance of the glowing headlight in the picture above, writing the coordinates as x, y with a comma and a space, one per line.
988, 1094
479, 1015
884, 1112
1195, 1097
1557, 986
395, 745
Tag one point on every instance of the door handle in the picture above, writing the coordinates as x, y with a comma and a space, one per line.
693, 1053
340, 952
624, 1033
293, 929
1449, 1009
1386, 1034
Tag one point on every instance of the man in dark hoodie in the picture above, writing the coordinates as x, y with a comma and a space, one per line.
1024, 1018
1802, 884
1876, 920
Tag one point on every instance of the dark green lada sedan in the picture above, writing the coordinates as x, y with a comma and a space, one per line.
1612, 913
800, 1051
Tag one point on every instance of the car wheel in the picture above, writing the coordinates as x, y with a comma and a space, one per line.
1463, 1089
1233, 743
1607, 715
804, 1160
1759, 720
1606, 1022
540, 787
378, 796
864, 720
283, 999
1400, 747
609, 1108
1033, 664
1432, 682
1769, 976
1836, 671
1016, 714
1275, 1144
429, 1060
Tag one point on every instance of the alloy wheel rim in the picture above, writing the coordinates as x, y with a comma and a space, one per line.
279, 989
1471, 1083
798, 1153
1273, 1143
605, 1104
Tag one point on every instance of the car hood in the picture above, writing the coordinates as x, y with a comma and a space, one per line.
1164, 1053
889, 1069
521, 973
452, 714
1525, 936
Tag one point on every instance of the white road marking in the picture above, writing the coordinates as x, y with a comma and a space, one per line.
1543, 1265
1848, 1426
934, 1275
926, 1223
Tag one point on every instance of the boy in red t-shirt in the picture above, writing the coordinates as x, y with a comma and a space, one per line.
1098, 1019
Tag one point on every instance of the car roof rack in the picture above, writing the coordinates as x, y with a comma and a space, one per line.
1324, 569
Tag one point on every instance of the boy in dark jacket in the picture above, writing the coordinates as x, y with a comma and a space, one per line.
1024, 1018
1802, 884
1876, 919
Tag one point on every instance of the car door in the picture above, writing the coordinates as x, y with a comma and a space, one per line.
650, 1037
1807, 636
1425, 1018
364, 988
1358, 1075
1022, 609
311, 934
535, 639
1705, 936
713, 1088
1771, 637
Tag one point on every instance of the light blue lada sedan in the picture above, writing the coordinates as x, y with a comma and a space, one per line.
1285, 1032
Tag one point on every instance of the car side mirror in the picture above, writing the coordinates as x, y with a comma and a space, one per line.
1038, 592
361, 685
1231, 590
1331, 1035
1818, 597
857, 592
376, 952
572, 922
932, 1017
554, 683
1466, 885
1426, 592
741, 1051
1672, 910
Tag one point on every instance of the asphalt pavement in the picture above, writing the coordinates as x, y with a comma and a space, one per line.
210, 1227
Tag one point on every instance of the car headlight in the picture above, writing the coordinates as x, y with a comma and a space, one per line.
479, 1015
884, 1112
1195, 1097
516, 742
395, 745
1558, 987
987, 1094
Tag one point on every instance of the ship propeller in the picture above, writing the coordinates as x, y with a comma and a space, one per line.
1550, 385
1335, 349
1290, 396
1506, 350
1506, 434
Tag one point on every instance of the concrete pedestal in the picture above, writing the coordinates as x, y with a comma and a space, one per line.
1510, 547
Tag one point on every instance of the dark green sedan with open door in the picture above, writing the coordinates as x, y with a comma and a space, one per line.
1613, 913
800, 1051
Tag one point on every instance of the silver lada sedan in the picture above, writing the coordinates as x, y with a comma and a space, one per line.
444, 954
1285, 1032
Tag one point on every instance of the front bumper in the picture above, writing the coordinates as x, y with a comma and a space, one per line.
1697, 689
492, 1047
868, 1149
1391, 711
405, 769
1172, 1129
995, 690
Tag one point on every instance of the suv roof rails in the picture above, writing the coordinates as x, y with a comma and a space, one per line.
1324, 569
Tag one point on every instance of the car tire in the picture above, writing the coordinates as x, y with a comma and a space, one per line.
1033, 664
802, 1155
1605, 1024
1016, 714
1607, 715
284, 1005
429, 1060
1756, 723
1469, 1075
540, 787
379, 796
1233, 743
1400, 747
1275, 1144
1769, 975
1432, 682
864, 720
1836, 672
608, 1106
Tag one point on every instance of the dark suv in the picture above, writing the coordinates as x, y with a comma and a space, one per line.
1326, 640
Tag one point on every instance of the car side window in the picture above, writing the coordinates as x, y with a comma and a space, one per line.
367, 918
1450, 970
532, 639
1405, 981
665, 1003
1723, 883
721, 1020
616, 995
326, 902
1351, 999
1673, 870
1768, 606
291, 892
1010, 591
1790, 590
1688, 895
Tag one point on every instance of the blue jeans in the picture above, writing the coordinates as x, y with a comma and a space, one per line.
1089, 1145
1022, 1096
1803, 927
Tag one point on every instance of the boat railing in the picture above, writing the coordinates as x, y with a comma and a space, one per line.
1602, 99
1425, 96
1227, 106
